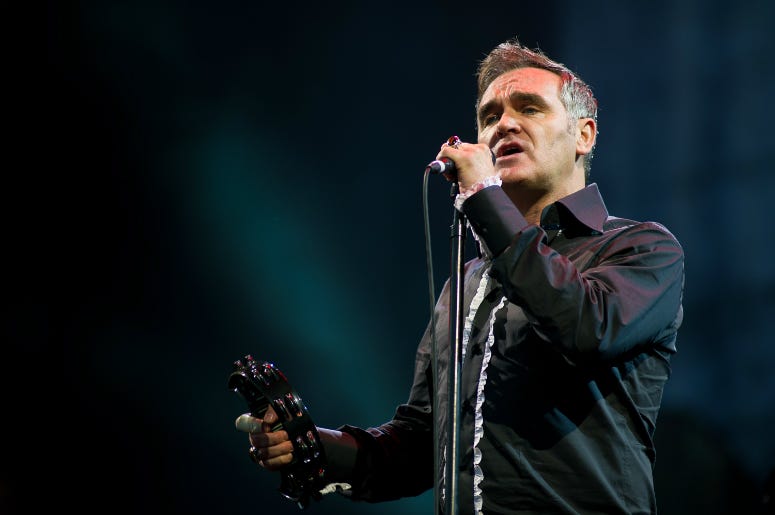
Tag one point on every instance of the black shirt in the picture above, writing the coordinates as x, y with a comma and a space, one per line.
567, 351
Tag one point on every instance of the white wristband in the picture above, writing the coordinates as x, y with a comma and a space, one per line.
461, 197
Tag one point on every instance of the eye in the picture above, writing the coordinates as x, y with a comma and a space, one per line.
489, 120
530, 110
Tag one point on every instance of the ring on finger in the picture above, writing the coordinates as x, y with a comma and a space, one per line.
255, 454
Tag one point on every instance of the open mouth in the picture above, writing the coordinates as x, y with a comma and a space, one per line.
509, 150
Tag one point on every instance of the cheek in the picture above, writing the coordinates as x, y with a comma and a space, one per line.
561, 140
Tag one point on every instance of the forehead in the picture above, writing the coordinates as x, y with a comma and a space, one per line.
524, 80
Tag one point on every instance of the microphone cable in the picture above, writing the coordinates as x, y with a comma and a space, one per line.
434, 353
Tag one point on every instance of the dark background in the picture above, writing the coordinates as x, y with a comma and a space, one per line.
190, 182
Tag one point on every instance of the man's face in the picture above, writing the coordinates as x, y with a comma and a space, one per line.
523, 121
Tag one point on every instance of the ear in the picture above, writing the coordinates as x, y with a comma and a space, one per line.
586, 133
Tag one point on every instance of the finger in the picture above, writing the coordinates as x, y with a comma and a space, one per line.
264, 440
274, 458
275, 451
248, 423
277, 463
270, 419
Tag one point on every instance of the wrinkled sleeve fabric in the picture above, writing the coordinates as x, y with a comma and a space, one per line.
628, 296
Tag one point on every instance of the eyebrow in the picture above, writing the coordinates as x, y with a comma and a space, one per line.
516, 98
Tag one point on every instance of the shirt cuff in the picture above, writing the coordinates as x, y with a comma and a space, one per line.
495, 218
341, 451
461, 197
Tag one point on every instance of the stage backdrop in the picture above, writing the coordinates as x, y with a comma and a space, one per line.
199, 181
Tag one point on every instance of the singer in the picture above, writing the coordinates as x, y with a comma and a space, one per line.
571, 319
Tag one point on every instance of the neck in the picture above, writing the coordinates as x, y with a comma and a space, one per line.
531, 202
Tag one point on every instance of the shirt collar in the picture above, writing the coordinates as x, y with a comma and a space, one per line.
583, 208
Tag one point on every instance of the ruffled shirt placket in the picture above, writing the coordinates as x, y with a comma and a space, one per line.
487, 354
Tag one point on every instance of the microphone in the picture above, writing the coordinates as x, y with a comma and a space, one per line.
443, 165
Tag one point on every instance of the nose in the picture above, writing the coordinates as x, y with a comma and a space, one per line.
508, 123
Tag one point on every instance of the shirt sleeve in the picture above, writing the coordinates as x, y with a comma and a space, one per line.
628, 293
395, 459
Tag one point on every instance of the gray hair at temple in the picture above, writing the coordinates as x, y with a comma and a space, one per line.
576, 96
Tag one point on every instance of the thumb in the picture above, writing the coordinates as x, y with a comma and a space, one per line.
248, 423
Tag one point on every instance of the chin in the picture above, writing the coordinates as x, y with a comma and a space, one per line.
514, 175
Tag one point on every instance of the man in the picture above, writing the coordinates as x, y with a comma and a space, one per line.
571, 320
